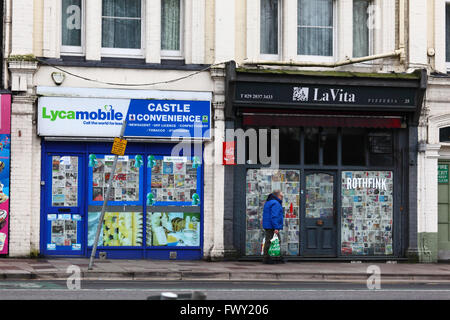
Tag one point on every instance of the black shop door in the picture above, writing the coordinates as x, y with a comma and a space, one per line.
319, 216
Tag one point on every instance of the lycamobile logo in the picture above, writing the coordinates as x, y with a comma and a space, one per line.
108, 114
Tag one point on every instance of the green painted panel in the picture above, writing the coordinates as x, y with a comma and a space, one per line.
443, 232
443, 213
443, 173
443, 193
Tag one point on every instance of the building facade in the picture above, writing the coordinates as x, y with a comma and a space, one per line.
354, 91
84, 67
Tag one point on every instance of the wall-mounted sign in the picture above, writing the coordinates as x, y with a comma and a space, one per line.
443, 173
119, 146
305, 94
90, 117
228, 153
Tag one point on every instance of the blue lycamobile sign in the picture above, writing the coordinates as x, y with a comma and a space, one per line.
60, 116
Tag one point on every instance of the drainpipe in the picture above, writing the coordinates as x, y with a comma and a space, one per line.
396, 53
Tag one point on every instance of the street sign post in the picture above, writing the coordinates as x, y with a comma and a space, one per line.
120, 148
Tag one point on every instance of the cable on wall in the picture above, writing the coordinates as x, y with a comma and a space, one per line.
130, 84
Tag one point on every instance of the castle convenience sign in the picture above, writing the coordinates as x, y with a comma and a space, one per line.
102, 117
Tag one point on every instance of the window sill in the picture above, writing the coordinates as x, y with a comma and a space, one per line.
124, 63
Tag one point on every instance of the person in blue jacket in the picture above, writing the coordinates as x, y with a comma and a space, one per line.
273, 214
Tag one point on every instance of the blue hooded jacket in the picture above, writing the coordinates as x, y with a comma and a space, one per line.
273, 213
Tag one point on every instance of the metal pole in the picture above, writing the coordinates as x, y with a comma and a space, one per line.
105, 201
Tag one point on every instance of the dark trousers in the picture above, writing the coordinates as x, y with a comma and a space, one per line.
269, 236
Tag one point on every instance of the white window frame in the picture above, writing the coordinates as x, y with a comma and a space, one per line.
447, 63
372, 15
125, 52
75, 50
265, 56
175, 54
331, 58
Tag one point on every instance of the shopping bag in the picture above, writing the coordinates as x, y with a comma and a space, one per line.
274, 249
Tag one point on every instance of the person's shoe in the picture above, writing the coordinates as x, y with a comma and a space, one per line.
280, 260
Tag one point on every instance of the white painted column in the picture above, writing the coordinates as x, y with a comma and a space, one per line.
225, 30
289, 30
52, 29
214, 181
153, 31
344, 29
22, 30
418, 14
387, 26
428, 186
93, 29
197, 28
253, 30
187, 34
439, 36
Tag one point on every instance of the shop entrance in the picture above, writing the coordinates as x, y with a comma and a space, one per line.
319, 216
64, 204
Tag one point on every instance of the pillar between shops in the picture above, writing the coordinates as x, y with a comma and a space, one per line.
215, 247
25, 163
427, 240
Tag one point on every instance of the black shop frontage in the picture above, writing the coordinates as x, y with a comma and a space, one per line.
342, 148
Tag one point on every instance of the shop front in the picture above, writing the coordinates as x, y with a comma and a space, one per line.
155, 207
342, 152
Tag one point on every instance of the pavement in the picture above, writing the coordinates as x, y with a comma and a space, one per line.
59, 269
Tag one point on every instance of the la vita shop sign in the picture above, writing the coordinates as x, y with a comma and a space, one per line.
87, 117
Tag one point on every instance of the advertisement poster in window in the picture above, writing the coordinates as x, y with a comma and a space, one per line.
367, 212
260, 183
181, 229
120, 229
5, 151
173, 180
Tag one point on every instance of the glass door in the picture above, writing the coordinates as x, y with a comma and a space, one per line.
319, 214
63, 212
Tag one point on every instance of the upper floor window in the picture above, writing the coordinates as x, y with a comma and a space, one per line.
315, 32
171, 13
122, 27
361, 31
71, 27
269, 27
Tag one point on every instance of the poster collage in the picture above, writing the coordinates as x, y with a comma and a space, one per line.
64, 229
319, 196
180, 229
5, 148
173, 179
64, 181
125, 185
367, 212
120, 229
260, 183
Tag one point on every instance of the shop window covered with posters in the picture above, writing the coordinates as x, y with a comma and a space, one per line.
154, 205
338, 186
168, 195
